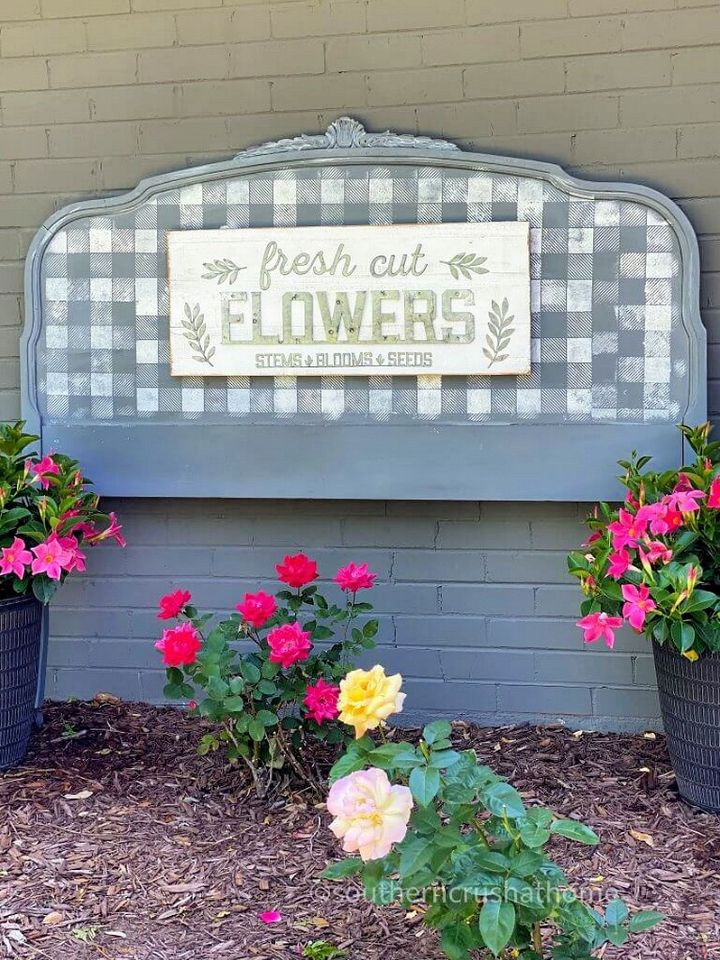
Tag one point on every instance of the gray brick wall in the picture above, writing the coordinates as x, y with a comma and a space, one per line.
476, 610
95, 94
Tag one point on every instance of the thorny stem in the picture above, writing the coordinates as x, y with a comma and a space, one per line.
259, 786
303, 772
537, 939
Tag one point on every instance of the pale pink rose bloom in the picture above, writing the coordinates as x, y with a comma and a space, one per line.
371, 814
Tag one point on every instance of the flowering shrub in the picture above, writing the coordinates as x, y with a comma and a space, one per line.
654, 563
428, 822
47, 517
268, 702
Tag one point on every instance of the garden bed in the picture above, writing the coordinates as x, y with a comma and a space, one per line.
118, 841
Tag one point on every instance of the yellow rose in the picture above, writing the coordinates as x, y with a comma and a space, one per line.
367, 697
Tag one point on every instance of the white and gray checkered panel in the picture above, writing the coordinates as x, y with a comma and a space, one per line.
608, 344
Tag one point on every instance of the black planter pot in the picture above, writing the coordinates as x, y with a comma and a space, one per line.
20, 633
690, 704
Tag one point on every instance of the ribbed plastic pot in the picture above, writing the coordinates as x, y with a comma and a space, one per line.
690, 704
20, 627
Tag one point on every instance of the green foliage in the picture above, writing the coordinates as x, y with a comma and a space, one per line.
474, 856
38, 506
322, 950
684, 592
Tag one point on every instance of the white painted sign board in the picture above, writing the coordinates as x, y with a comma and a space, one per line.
413, 299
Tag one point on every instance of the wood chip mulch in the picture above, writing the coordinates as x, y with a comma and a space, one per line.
117, 841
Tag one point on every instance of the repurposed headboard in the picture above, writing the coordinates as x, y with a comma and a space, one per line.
617, 348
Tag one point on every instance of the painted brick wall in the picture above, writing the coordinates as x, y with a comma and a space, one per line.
95, 94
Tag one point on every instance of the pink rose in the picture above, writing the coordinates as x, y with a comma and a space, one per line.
257, 608
354, 577
370, 813
179, 646
297, 571
173, 604
321, 700
288, 644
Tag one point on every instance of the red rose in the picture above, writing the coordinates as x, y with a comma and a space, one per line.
354, 577
257, 608
297, 571
321, 700
288, 644
179, 646
173, 604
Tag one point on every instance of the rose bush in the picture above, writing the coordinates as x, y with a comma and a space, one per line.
47, 517
654, 563
431, 824
269, 701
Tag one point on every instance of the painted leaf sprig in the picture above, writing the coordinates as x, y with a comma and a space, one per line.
195, 332
465, 265
500, 332
224, 271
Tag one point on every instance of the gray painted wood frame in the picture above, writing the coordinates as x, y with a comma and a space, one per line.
619, 345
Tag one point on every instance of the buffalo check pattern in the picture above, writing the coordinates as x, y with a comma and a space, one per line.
607, 339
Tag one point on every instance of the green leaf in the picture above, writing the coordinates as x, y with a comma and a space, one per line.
615, 912
267, 718
503, 800
383, 891
497, 923
683, 635
250, 671
644, 920
234, 704
342, 869
439, 730
442, 759
256, 729
456, 942
574, 831
424, 784
348, 763
395, 756
414, 854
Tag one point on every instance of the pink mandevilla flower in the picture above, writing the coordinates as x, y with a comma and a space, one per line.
686, 501
76, 558
297, 570
51, 558
628, 528
713, 500
600, 625
321, 700
43, 469
288, 644
354, 577
257, 608
663, 517
173, 604
370, 813
179, 645
15, 558
618, 564
638, 603
656, 551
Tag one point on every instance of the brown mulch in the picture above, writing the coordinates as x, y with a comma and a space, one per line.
118, 841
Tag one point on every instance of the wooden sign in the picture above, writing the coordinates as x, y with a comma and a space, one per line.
351, 301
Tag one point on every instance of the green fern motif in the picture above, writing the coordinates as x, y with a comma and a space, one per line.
465, 265
223, 271
195, 332
499, 333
